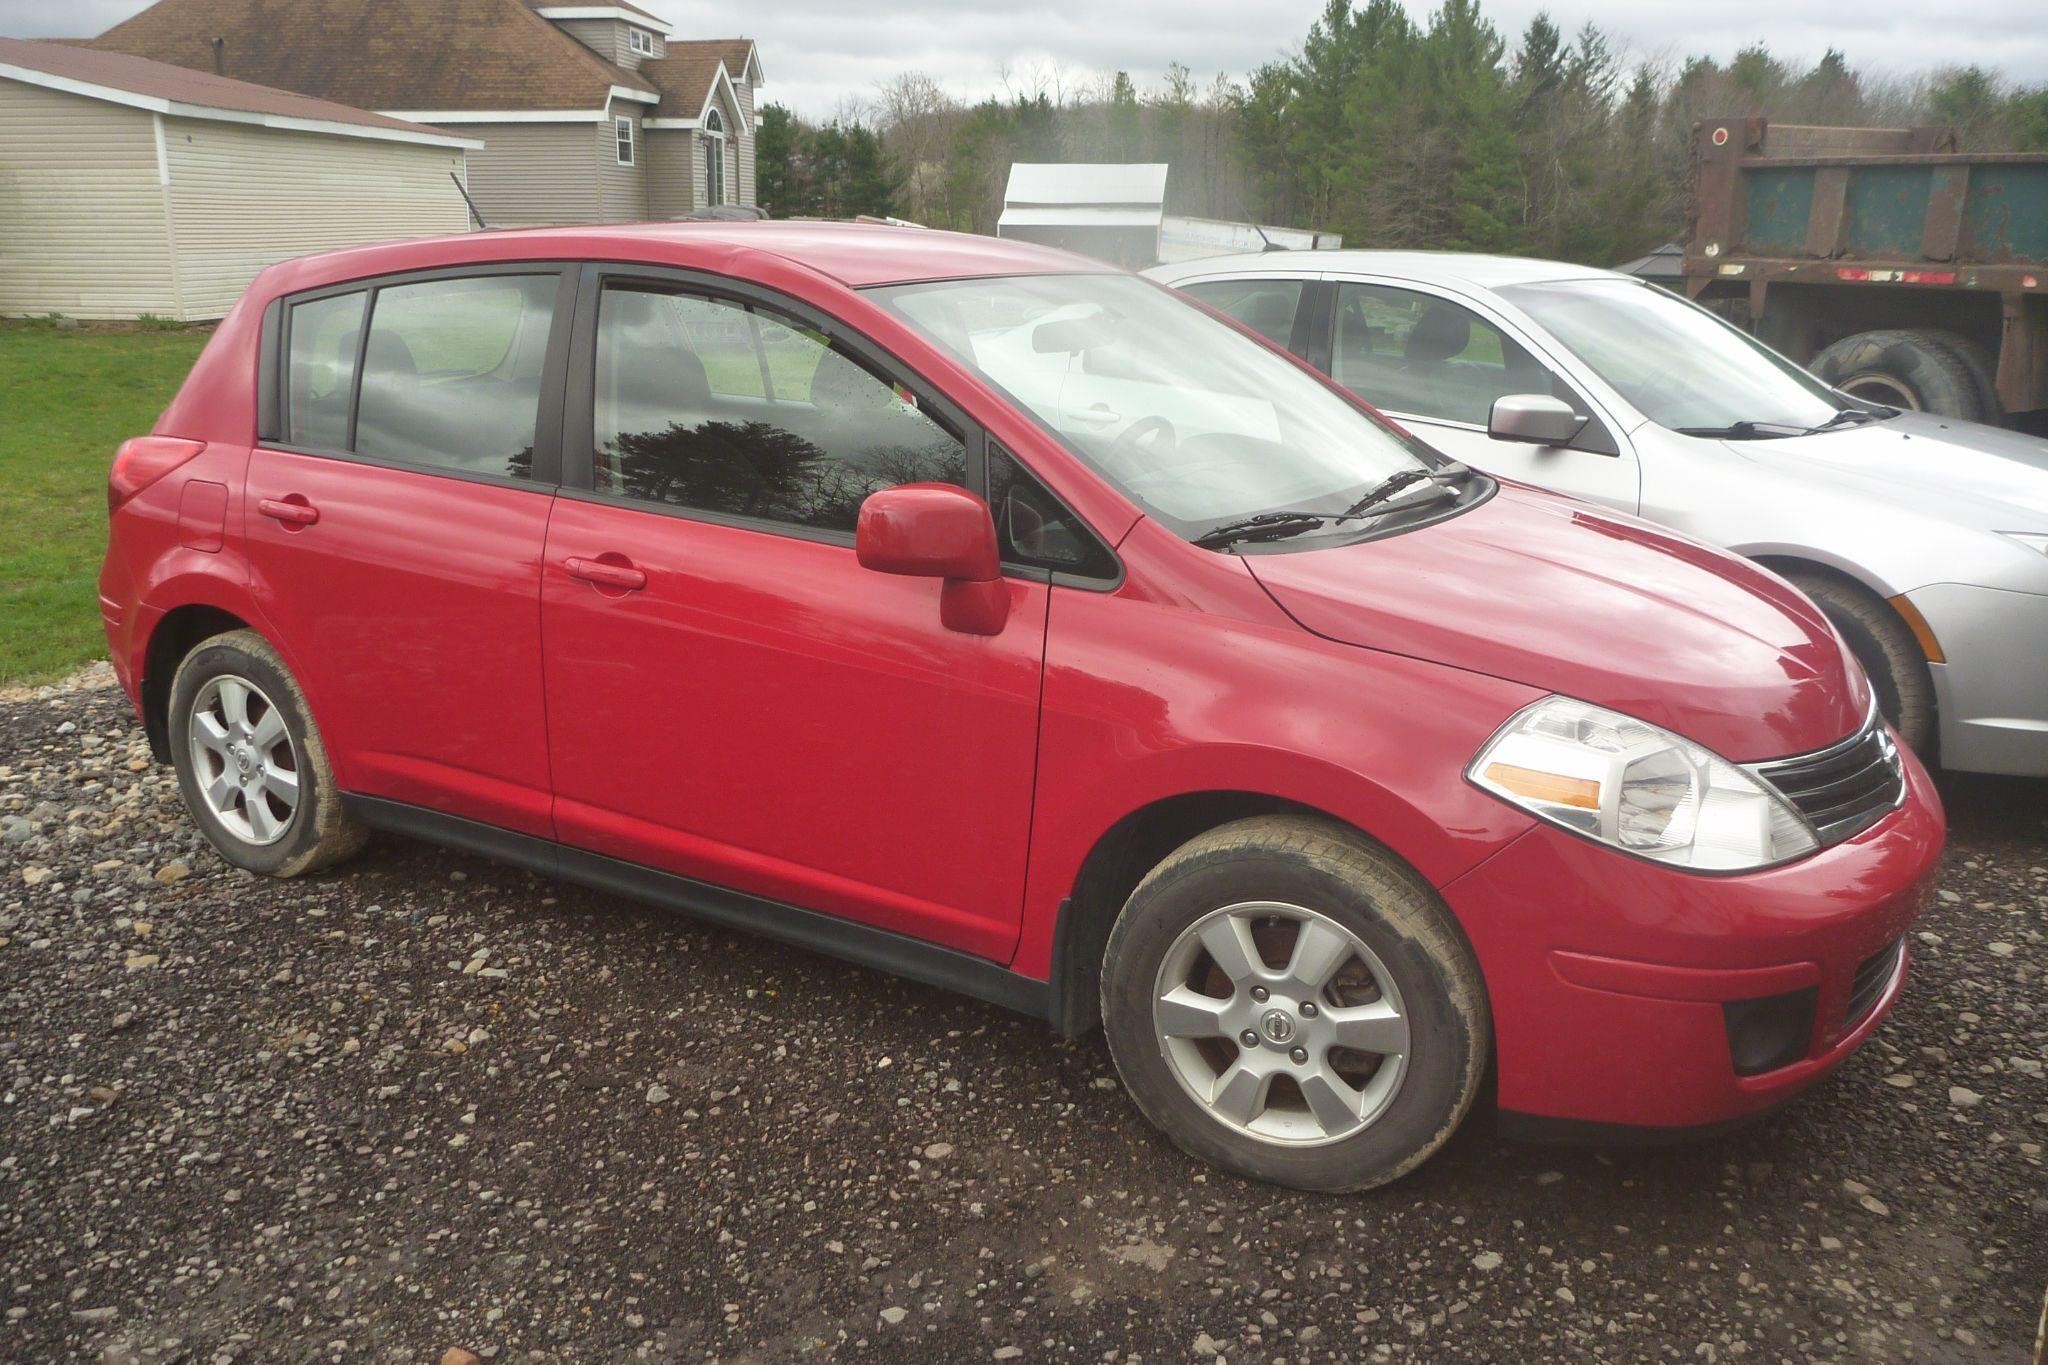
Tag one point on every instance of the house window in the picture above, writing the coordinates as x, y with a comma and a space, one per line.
714, 158
640, 41
624, 131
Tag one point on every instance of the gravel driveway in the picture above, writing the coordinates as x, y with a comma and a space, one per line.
430, 1103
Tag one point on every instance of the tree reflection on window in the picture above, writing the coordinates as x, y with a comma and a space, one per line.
694, 410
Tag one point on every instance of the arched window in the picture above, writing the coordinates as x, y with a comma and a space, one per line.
714, 158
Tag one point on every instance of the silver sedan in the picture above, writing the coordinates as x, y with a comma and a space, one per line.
1924, 539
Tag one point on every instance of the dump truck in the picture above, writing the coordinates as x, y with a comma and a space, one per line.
1890, 262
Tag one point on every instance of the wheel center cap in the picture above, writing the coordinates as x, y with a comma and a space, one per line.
1278, 1025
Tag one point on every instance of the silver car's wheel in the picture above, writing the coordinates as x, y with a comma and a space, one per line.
1308, 1052
243, 759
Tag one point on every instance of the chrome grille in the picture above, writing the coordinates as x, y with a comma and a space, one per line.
1873, 974
1844, 789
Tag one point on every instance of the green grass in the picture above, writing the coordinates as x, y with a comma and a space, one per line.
67, 399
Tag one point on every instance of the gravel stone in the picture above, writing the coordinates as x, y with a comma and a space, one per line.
264, 1147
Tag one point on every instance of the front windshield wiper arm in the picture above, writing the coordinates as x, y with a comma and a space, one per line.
1283, 524
1758, 431
1264, 526
1852, 416
1747, 431
1386, 488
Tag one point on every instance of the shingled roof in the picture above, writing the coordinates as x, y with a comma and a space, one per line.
687, 73
175, 89
734, 52
383, 54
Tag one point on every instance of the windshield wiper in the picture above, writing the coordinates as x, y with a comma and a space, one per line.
1386, 488
1852, 416
1747, 431
1283, 524
1264, 526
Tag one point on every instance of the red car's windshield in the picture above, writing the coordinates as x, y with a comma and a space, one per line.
1195, 421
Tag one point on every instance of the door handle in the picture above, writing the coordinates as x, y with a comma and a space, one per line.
292, 511
1097, 412
606, 575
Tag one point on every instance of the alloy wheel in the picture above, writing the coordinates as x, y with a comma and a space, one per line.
1281, 1023
242, 759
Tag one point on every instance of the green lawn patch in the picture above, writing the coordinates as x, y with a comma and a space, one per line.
67, 400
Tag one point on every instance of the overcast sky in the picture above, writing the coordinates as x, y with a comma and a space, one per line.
819, 54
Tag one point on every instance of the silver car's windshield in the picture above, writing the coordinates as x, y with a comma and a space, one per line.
1198, 423
1682, 367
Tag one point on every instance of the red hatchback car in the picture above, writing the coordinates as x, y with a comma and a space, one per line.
974, 612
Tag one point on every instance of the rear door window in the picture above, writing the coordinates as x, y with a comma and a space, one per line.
452, 373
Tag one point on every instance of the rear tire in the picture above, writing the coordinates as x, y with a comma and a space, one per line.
1979, 362
1902, 369
1888, 651
251, 764
1342, 1069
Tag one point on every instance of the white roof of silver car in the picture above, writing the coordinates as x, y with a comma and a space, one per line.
1487, 272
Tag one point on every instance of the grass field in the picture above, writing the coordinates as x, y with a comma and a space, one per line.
67, 399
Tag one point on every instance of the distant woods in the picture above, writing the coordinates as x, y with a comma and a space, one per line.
1394, 133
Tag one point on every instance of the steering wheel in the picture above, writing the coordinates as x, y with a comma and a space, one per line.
1155, 430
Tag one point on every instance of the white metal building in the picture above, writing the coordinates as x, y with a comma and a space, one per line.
1116, 212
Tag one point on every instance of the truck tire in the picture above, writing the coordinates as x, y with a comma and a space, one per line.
1341, 1068
1978, 360
1890, 655
1902, 369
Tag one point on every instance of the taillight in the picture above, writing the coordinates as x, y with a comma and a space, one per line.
142, 461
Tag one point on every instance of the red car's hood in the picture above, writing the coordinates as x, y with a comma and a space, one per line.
1552, 593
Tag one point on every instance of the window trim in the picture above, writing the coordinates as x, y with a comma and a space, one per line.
623, 144
639, 41
577, 438
273, 373
1045, 573
714, 158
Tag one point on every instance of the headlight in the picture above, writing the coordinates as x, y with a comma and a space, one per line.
2036, 541
1637, 788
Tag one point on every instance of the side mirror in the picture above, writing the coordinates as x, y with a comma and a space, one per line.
1535, 419
935, 530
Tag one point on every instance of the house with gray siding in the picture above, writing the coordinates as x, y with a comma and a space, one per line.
593, 112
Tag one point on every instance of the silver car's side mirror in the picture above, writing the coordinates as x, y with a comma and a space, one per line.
1534, 418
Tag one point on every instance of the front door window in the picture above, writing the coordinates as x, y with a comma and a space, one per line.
716, 406
1423, 356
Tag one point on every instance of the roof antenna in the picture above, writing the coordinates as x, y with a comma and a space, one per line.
463, 190
1270, 244
220, 55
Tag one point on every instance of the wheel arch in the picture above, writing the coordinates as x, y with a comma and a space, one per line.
177, 633
1790, 565
1119, 859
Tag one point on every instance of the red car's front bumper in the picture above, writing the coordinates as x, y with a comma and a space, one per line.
1608, 974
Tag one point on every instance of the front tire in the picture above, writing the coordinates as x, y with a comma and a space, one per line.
251, 764
1288, 1001
1890, 655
